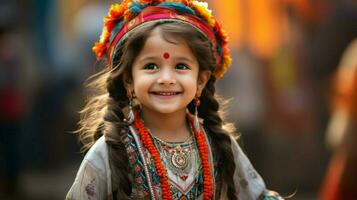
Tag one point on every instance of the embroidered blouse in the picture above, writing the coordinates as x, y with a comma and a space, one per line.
93, 180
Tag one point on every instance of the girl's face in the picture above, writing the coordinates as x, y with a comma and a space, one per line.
165, 76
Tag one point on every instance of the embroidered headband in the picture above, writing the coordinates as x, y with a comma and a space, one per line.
132, 14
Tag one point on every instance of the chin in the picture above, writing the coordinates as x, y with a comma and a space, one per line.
168, 109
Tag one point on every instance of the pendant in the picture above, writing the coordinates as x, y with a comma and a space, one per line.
180, 159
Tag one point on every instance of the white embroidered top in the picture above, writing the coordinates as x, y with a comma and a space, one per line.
93, 180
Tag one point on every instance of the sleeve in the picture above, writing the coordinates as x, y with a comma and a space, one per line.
248, 183
93, 179
88, 184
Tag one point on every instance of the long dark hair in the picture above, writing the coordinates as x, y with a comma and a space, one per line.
104, 111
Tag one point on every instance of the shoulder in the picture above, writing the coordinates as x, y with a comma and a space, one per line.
93, 179
246, 178
237, 150
97, 156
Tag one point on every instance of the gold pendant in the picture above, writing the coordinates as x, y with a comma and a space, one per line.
179, 159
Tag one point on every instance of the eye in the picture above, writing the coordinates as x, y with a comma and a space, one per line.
151, 66
182, 66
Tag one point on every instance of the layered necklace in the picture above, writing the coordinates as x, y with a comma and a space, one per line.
179, 159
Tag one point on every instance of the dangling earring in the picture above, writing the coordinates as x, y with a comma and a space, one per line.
131, 116
197, 103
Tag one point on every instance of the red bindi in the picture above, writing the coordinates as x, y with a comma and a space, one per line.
166, 55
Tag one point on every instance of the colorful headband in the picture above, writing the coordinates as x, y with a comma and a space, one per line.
132, 14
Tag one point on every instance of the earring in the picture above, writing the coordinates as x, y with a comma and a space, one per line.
196, 123
131, 116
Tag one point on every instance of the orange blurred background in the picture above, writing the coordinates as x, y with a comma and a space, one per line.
286, 54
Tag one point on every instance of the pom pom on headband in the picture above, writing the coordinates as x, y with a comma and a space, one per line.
129, 14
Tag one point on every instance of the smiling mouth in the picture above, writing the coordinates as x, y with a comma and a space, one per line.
166, 93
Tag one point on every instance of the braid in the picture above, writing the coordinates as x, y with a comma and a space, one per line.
103, 115
115, 130
220, 138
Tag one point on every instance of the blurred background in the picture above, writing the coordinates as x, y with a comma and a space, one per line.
292, 86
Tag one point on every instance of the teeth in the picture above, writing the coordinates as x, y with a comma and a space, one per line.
166, 93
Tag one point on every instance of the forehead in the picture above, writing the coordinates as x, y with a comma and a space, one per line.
159, 43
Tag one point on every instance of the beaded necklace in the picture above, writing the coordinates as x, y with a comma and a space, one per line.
160, 168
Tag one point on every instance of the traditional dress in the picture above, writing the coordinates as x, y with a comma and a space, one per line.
182, 161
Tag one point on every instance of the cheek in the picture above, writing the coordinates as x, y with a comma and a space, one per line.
141, 83
190, 84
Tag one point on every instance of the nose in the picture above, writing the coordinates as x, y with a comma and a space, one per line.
167, 76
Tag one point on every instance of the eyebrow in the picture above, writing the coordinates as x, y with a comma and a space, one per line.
147, 58
184, 59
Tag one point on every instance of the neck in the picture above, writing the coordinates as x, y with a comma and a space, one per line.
170, 127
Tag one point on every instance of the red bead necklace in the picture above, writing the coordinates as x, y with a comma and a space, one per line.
160, 168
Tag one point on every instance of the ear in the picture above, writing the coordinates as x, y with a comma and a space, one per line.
128, 82
203, 77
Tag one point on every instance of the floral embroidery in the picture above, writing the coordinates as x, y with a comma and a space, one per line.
90, 189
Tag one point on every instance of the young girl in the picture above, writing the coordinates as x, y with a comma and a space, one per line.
152, 124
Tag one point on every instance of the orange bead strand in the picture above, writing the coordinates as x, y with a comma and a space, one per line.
160, 168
